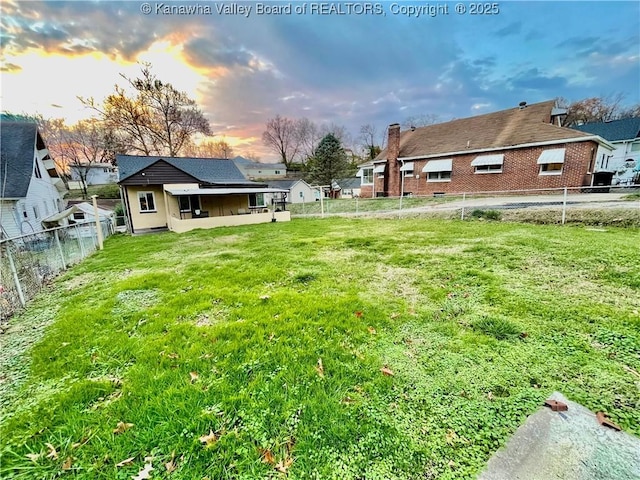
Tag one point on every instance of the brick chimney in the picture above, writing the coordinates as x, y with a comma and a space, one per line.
393, 166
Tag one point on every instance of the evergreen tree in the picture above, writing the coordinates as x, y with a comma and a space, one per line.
329, 161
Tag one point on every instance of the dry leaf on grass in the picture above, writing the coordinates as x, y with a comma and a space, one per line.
34, 457
145, 473
124, 463
66, 465
451, 436
283, 465
387, 371
209, 439
358, 314
320, 368
372, 330
171, 464
193, 376
52, 451
267, 457
122, 427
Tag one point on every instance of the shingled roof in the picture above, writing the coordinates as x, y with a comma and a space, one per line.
503, 129
17, 152
614, 131
206, 170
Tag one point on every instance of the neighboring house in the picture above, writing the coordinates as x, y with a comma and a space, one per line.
181, 194
257, 170
95, 174
297, 191
30, 188
349, 187
84, 213
515, 149
623, 167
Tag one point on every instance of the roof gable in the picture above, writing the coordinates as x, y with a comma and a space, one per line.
614, 131
502, 129
17, 152
202, 170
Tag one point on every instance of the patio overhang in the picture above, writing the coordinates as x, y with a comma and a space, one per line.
176, 192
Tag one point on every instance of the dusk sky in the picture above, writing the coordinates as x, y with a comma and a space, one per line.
349, 69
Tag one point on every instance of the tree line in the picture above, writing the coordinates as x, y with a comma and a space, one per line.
147, 116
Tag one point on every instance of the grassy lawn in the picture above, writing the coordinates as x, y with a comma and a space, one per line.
333, 348
363, 205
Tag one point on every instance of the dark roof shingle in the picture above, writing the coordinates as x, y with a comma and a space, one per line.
614, 131
17, 150
207, 170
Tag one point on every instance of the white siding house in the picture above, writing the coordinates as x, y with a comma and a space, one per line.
95, 174
299, 191
30, 188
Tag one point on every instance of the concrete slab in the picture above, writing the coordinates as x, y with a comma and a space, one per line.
569, 445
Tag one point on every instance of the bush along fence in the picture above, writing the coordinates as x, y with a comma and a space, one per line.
587, 205
29, 262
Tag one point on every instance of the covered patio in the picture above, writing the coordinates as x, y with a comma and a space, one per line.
190, 208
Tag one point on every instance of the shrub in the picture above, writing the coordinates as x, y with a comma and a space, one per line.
486, 214
499, 328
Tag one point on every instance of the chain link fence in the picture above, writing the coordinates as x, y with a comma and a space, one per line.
594, 205
29, 262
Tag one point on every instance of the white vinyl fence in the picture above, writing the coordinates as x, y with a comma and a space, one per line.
29, 262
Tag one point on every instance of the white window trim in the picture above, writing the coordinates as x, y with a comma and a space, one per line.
552, 172
439, 180
481, 172
153, 196
363, 180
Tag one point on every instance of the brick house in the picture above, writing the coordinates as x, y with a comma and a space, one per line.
515, 149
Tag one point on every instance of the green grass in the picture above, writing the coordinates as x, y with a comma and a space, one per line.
103, 191
365, 205
272, 337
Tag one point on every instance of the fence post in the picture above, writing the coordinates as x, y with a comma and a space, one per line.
55, 234
98, 223
16, 279
564, 206
464, 196
79, 237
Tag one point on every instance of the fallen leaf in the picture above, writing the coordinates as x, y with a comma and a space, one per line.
451, 295
34, 457
394, 316
386, 371
67, 463
264, 298
267, 457
490, 396
358, 314
194, 376
372, 330
347, 400
52, 451
451, 464
145, 473
209, 439
171, 464
122, 427
283, 465
124, 463
320, 368
272, 336
451, 436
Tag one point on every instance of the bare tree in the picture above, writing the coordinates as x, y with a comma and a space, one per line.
282, 138
368, 139
157, 119
209, 148
597, 109
421, 120
308, 137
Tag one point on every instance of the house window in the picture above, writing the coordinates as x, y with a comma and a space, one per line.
256, 200
78, 216
36, 170
277, 172
488, 169
189, 203
147, 202
36, 211
635, 147
439, 177
367, 176
407, 169
551, 169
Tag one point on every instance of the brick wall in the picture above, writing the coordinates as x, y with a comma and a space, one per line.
520, 171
